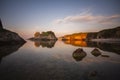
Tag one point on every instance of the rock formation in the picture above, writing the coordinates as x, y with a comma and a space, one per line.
49, 35
113, 33
109, 33
79, 54
9, 37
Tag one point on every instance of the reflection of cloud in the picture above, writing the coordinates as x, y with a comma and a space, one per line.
85, 18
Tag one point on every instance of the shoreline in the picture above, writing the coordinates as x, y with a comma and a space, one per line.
106, 40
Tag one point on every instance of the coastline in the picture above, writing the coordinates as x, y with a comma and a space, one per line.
106, 40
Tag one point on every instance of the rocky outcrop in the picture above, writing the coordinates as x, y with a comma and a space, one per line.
49, 35
109, 33
90, 36
9, 37
79, 54
113, 33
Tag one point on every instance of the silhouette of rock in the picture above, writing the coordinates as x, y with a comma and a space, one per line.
1, 27
79, 54
9, 37
96, 52
8, 49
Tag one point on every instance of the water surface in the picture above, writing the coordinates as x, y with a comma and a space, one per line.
55, 61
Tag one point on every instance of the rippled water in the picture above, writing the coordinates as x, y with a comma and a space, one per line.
55, 61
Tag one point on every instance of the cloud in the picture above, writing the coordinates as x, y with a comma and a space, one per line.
108, 19
88, 18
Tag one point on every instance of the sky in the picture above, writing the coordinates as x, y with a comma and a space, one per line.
60, 16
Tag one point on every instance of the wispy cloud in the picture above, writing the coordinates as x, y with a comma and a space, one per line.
108, 19
88, 18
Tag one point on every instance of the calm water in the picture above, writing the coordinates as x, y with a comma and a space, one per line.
55, 61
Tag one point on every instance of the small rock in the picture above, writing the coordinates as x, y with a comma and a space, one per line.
96, 52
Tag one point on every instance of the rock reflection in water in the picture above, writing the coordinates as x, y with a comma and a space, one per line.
76, 43
110, 47
8, 49
48, 43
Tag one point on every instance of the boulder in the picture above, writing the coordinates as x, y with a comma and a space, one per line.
79, 54
96, 52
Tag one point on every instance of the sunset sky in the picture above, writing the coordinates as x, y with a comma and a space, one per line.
61, 16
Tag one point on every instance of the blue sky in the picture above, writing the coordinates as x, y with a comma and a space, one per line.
60, 16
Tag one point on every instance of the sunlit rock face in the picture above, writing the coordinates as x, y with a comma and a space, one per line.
113, 33
76, 36
10, 37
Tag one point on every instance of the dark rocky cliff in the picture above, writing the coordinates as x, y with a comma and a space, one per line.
109, 33
113, 33
92, 35
1, 27
9, 37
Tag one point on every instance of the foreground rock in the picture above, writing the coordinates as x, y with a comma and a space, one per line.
96, 52
79, 54
9, 37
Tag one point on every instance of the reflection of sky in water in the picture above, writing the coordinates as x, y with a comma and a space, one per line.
36, 63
